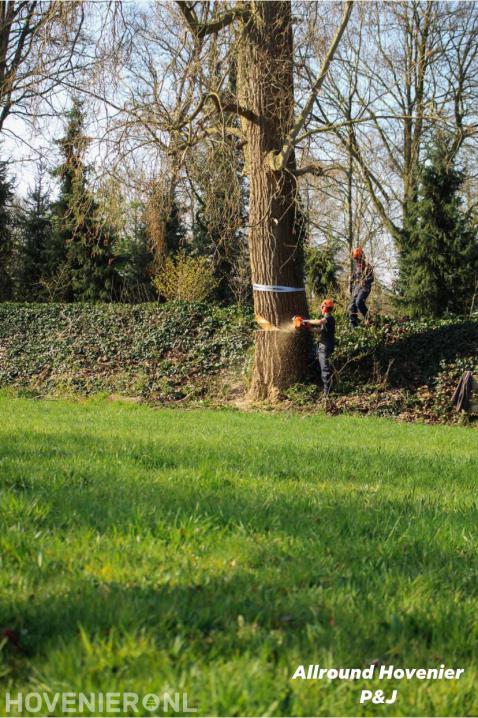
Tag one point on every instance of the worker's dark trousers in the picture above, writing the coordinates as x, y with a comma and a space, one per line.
358, 305
323, 354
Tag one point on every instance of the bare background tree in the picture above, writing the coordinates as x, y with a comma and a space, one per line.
38, 51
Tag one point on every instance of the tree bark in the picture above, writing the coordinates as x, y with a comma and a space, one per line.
265, 85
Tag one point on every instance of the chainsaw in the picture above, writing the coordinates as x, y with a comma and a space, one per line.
302, 323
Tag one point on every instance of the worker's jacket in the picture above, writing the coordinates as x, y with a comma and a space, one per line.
362, 276
327, 334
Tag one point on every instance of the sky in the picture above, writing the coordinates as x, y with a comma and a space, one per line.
22, 147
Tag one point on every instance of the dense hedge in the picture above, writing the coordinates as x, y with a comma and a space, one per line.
405, 367
411, 352
159, 351
175, 351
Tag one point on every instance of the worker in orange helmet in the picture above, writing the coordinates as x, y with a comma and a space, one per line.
326, 343
326, 329
360, 285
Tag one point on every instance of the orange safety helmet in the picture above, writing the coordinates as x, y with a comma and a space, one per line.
327, 305
357, 253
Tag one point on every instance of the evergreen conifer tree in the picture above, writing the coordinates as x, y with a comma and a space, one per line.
175, 230
6, 234
321, 270
82, 237
134, 260
35, 228
439, 269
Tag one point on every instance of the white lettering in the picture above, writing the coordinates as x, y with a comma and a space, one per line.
29, 705
68, 703
130, 703
173, 702
299, 673
386, 672
116, 702
151, 702
393, 698
113, 702
10, 702
86, 702
365, 696
185, 705
51, 703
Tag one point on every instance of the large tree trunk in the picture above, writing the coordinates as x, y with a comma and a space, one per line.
265, 74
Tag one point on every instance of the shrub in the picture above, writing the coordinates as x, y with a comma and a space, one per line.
185, 278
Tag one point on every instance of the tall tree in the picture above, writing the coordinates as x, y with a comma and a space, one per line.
81, 233
6, 238
439, 262
37, 41
35, 231
266, 106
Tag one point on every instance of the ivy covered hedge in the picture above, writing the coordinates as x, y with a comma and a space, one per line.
410, 352
403, 367
179, 351
159, 351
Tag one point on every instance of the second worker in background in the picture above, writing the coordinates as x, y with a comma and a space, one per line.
360, 286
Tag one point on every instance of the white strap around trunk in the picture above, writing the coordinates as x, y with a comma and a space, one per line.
276, 288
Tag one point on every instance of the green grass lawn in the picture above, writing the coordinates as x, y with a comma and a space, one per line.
213, 552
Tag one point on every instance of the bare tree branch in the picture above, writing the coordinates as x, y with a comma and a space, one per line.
278, 160
200, 29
